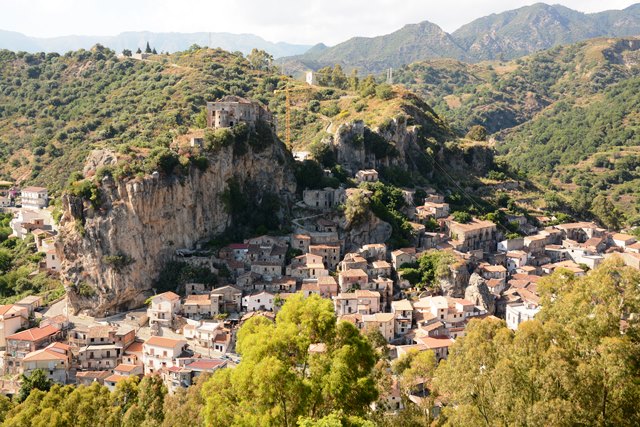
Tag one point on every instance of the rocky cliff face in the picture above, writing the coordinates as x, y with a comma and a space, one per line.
411, 141
112, 255
455, 283
373, 230
478, 293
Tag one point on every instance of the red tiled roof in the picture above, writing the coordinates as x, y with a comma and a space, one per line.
164, 342
134, 347
34, 334
115, 378
168, 295
44, 354
432, 342
123, 367
206, 364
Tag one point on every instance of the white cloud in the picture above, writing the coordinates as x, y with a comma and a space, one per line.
295, 21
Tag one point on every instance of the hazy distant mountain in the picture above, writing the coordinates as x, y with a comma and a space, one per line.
532, 28
505, 35
168, 42
410, 43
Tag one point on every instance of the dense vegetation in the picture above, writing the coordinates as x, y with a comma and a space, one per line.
54, 109
575, 364
428, 269
562, 117
18, 259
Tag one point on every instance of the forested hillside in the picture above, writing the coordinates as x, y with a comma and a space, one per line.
54, 109
566, 116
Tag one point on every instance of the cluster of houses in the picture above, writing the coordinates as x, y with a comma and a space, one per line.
194, 332
30, 217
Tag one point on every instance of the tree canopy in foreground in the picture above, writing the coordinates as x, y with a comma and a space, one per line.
577, 363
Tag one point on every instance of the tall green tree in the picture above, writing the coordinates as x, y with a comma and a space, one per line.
577, 363
278, 381
259, 59
338, 78
606, 212
38, 380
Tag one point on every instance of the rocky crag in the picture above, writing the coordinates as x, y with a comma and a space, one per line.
112, 254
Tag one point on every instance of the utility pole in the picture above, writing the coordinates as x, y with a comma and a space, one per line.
390, 76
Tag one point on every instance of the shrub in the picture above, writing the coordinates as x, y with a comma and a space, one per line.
118, 261
462, 217
477, 133
216, 139
384, 91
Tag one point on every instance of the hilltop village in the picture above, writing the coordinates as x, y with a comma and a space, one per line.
419, 297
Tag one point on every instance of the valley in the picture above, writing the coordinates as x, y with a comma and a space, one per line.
207, 237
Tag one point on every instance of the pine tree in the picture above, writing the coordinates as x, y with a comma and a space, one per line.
147, 49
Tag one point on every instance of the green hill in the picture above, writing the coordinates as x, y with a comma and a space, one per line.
555, 114
55, 109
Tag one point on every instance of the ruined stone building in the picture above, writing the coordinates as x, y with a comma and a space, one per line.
231, 110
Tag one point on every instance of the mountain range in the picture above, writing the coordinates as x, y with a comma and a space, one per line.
162, 42
501, 36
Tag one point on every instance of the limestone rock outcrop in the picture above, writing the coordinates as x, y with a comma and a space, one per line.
455, 283
98, 158
112, 254
373, 230
478, 293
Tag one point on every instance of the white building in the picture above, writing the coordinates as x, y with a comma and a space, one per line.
34, 197
403, 311
360, 301
383, 322
516, 259
160, 352
25, 221
52, 262
311, 78
367, 175
12, 318
163, 309
518, 313
260, 301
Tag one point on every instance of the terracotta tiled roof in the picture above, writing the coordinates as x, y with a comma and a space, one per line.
34, 189
34, 334
134, 347
207, 364
358, 272
168, 295
44, 354
123, 367
432, 342
115, 378
164, 342
326, 280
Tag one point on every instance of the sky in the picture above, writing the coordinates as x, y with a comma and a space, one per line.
293, 21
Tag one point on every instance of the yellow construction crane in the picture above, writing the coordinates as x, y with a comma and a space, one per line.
287, 92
